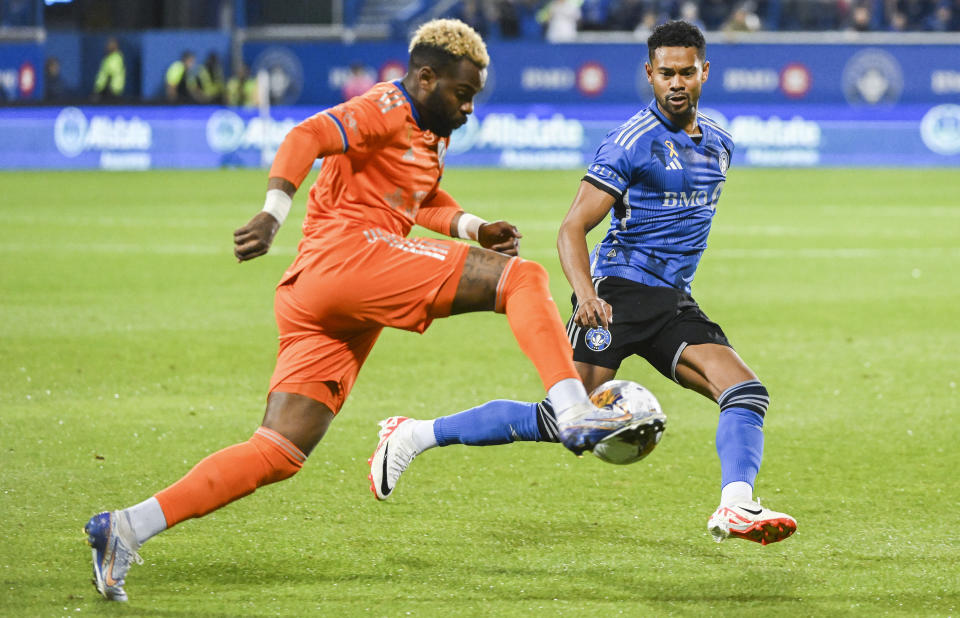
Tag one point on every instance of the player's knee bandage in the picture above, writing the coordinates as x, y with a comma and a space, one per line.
750, 395
520, 274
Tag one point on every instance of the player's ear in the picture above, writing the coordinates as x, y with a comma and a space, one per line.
706, 71
427, 78
646, 65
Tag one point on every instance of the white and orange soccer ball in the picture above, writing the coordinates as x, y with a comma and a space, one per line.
641, 433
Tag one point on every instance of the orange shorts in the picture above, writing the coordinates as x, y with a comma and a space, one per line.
341, 291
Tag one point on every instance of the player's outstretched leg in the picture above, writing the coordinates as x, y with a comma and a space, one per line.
523, 294
220, 478
114, 550
496, 422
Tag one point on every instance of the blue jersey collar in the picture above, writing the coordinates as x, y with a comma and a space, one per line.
413, 108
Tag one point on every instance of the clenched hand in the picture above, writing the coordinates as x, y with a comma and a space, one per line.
254, 239
499, 236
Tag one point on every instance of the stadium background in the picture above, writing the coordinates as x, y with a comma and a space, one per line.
132, 344
860, 95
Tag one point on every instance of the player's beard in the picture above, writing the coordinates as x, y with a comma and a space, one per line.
683, 117
438, 120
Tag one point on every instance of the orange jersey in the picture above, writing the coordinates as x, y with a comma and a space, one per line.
381, 169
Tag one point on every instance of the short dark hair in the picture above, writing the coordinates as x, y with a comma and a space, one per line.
677, 33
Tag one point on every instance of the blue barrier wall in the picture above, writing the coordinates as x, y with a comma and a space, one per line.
510, 136
545, 106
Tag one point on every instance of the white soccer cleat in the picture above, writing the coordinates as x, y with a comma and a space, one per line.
751, 521
394, 453
112, 554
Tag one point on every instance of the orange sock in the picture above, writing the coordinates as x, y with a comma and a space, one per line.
523, 293
229, 474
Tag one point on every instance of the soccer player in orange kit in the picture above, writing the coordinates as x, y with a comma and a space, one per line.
356, 272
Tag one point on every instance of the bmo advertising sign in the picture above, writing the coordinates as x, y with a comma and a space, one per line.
589, 79
794, 80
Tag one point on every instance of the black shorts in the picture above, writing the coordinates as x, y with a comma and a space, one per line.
656, 323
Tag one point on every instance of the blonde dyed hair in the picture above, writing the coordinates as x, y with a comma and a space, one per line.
453, 37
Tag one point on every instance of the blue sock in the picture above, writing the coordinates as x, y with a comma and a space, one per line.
739, 445
496, 422
740, 431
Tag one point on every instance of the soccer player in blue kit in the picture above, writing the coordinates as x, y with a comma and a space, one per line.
659, 176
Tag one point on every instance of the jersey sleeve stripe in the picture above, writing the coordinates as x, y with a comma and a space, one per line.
636, 136
603, 185
627, 133
339, 125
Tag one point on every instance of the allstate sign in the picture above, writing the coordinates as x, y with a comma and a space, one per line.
228, 132
123, 143
940, 129
70, 132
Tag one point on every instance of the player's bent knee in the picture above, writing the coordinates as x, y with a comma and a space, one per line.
531, 271
751, 395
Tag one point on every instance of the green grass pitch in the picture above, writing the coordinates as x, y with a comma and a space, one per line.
132, 345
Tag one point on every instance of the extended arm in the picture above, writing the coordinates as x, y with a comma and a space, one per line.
318, 136
442, 214
589, 207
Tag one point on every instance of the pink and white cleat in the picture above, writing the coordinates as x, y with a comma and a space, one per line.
393, 454
748, 520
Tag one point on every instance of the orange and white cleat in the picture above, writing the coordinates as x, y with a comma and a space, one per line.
393, 454
751, 521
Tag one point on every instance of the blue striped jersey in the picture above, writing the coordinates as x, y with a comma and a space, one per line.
666, 187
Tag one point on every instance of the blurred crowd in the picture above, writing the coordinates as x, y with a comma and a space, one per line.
185, 81
561, 20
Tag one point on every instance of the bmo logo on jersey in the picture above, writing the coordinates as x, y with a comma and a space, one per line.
692, 199
673, 199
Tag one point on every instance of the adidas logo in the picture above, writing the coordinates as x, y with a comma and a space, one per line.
674, 165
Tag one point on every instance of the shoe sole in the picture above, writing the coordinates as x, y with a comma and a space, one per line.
97, 580
637, 429
765, 532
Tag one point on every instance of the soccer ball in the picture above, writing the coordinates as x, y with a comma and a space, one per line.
639, 435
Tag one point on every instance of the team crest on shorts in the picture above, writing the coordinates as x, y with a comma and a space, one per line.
598, 339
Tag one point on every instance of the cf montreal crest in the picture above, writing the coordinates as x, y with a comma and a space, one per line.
598, 339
